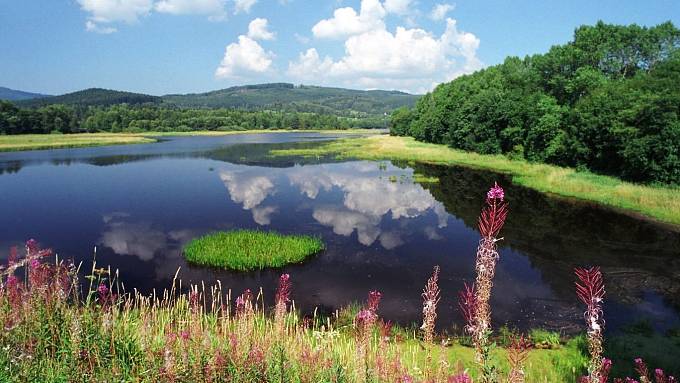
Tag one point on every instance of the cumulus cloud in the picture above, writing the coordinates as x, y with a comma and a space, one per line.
263, 215
104, 12
346, 22
244, 58
245, 189
399, 7
110, 11
243, 6
367, 199
258, 30
439, 11
409, 59
213, 8
91, 26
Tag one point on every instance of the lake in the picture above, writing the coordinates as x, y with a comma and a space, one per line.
139, 204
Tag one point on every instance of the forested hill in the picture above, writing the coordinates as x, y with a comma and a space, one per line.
608, 101
92, 97
289, 97
15, 95
276, 97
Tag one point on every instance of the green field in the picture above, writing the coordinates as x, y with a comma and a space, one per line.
658, 203
246, 250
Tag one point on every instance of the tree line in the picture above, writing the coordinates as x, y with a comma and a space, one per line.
608, 101
60, 118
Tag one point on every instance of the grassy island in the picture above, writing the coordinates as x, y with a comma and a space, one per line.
246, 250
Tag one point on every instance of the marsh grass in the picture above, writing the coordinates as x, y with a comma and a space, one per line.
655, 202
245, 250
55, 141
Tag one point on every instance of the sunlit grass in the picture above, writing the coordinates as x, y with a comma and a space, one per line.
246, 250
54, 141
656, 202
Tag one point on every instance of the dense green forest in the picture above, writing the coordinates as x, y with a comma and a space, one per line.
149, 117
281, 97
608, 101
91, 97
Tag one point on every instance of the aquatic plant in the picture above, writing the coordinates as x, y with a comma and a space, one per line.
245, 250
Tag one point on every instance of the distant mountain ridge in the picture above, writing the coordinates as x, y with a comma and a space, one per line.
92, 97
16, 95
274, 96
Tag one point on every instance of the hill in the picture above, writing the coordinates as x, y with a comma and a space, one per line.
277, 96
92, 97
17, 95
302, 98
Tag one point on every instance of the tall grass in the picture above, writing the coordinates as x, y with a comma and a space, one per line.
245, 250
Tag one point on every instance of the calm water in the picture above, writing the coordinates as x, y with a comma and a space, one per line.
139, 204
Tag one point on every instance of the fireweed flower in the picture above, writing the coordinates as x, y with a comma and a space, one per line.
590, 290
491, 221
517, 355
282, 299
460, 378
430, 300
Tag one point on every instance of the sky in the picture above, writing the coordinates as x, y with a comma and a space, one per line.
189, 46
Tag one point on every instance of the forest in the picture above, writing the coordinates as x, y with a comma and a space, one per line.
59, 118
607, 101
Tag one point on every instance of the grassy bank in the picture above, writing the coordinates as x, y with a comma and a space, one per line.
246, 250
56, 141
658, 203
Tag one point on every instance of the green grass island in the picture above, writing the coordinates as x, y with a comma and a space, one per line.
248, 250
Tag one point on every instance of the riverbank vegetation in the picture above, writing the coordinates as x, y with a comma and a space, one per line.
656, 202
128, 118
606, 101
246, 250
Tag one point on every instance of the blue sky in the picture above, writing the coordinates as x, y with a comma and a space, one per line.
180, 46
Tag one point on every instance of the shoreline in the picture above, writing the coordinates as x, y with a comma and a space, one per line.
657, 204
26, 142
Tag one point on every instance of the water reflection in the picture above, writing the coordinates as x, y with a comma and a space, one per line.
139, 205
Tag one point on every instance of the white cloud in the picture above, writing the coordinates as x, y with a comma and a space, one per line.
346, 22
250, 191
399, 7
244, 58
243, 6
110, 11
213, 8
263, 215
257, 30
440, 11
409, 59
91, 26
